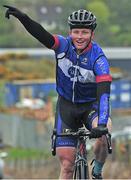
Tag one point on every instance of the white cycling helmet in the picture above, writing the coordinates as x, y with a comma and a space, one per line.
82, 19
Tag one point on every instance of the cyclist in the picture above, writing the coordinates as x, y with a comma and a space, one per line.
83, 84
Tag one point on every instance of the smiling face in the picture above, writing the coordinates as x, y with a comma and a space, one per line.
81, 38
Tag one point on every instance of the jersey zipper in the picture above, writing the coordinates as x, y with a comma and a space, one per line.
75, 80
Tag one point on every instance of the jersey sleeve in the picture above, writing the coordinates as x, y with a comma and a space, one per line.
56, 44
101, 66
60, 45
103, 80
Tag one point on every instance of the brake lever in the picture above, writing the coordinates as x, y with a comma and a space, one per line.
53, 147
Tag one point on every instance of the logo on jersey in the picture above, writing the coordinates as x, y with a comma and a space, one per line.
75, 74
91, 113
105, 104
101, 63
84, 61
74, 71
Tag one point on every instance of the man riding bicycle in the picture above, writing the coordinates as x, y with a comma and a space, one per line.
83, 84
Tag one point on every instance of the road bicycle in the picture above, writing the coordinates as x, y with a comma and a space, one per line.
81, 170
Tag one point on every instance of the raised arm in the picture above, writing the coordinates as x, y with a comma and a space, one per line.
34, 28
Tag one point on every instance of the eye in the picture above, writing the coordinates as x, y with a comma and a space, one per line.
86, 32
76, 32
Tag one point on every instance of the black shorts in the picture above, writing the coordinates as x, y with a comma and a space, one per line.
73, 116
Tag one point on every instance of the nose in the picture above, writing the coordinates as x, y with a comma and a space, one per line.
80, 35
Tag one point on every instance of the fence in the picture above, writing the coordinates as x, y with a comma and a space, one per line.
31, 135
19, 132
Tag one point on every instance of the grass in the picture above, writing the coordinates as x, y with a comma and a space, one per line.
19, 153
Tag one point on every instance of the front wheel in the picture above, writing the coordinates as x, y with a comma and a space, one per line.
81, 171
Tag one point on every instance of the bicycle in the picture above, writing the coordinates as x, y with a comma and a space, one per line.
81, 170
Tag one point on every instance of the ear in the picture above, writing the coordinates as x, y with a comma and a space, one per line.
92, 35
70, 32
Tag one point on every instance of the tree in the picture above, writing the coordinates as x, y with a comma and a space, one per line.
100, 9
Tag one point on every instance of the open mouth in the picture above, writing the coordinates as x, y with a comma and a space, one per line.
80, 42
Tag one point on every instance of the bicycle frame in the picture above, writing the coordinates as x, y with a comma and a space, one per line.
81, 166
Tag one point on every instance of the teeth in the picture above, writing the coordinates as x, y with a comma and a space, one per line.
79, 42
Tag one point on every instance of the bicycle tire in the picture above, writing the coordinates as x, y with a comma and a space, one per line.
84, 171
81, 171
77, 172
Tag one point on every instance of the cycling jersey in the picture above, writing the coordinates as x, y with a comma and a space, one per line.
78, 75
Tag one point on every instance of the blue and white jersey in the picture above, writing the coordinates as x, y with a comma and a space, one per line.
77, 74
